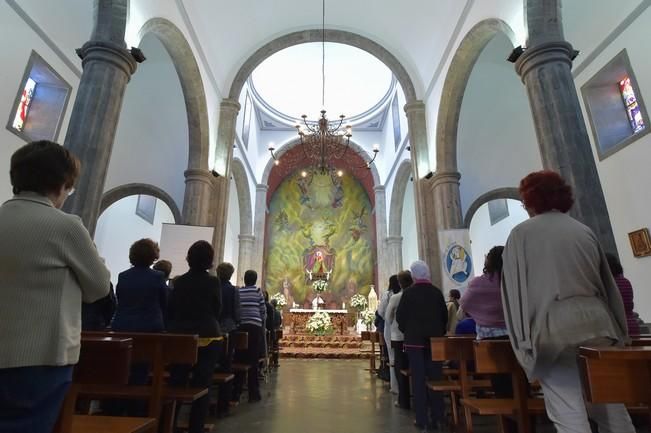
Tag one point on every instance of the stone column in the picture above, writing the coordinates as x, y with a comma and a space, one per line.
197, 199
428, 249
244, 257
228, 110
107, 68
394, 254
447, 200
545, 69
259, 227
381, 238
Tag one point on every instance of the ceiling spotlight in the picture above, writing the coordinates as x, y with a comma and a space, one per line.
276, 163
340, 173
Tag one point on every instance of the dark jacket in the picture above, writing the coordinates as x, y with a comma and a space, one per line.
142, 301
422, 314
271, 317
195, 305
97, 316
229, 319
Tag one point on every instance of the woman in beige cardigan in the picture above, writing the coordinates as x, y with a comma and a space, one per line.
558, 294
48, 266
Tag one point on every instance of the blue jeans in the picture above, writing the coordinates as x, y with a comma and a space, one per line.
428, 404
31, 398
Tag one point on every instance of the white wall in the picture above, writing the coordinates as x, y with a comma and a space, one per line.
483, 236
231, 241
497, 144
409, 235
151, 142
17, 41
625, 176
118, 227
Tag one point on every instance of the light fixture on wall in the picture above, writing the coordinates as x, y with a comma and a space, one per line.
323, 140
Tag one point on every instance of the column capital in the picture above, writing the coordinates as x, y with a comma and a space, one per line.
246, 238
230, 105
414, 107
198, 175
379, 189
261, 187
541, 54
108, 52
445, 177
394, 239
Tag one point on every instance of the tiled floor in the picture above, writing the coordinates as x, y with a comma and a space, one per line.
328, 396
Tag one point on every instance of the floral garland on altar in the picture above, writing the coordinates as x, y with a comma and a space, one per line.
319, 324
358, 302
320, 286
280, 299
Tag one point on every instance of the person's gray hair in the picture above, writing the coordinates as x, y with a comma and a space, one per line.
420, 270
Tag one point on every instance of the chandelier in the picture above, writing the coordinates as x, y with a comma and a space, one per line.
324, 140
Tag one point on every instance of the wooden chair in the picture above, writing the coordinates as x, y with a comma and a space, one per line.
460, 350
497, 357
158, 351
374, 338
101, 361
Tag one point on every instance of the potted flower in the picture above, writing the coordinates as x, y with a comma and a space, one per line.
319, 324
358, 302
368, 317
280, 299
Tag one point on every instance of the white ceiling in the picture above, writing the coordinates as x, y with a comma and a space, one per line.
415, 31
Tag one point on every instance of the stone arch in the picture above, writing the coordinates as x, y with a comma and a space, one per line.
331, 35
115, 194
509, 193
454, 88
403, 175
191, 83
243, 196
282, 149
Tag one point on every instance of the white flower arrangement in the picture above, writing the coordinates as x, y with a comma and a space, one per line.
358, 302
320, 286
368, 317
319, 324
280, 299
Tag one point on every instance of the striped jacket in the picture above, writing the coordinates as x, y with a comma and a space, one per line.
252, 307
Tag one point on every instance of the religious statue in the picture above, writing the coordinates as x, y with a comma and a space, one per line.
318, 263
372, 299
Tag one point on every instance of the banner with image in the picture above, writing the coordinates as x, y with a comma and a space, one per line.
456, 261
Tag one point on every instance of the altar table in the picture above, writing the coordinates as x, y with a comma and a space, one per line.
298, 317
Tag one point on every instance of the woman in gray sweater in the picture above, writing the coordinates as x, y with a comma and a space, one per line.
558, 294
48, 266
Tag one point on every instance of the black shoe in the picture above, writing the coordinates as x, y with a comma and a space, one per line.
255, 399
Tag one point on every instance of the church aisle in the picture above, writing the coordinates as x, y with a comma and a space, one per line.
320, 396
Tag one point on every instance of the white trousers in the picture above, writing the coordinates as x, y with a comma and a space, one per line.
566, 407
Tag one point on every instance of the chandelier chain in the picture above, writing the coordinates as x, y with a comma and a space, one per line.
323, 57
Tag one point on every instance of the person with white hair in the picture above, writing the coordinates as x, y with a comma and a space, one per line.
422, 314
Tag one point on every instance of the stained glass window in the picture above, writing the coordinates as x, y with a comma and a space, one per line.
23, 106
632, 107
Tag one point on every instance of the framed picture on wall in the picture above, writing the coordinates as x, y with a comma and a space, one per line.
146, 208
640, 242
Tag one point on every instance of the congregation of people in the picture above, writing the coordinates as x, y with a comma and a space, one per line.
56, 285
545, 303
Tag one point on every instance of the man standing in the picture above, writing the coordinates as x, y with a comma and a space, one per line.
252, 317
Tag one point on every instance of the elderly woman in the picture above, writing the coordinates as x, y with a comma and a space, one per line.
397, 338
559, 294
49, 265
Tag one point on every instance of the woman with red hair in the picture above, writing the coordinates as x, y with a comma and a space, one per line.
558, 294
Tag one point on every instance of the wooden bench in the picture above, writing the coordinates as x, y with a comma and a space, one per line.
158, 351
373, 337
460, 350
101, 361
497, 357
241, 344
617, 375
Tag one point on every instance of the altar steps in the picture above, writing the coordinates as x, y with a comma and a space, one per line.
331, 347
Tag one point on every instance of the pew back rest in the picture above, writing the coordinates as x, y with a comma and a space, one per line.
104, 360
151, 348
240, 340
608, 381
452, 348
494, 357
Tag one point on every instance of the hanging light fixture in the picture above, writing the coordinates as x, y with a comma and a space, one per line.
323, 140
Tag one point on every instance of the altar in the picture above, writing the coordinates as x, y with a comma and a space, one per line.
298, 317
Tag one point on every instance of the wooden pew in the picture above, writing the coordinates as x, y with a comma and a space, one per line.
458, 349
617, 375
497, 357
374, 338
101, 361
158, 351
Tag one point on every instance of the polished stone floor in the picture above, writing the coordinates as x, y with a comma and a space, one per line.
328, 396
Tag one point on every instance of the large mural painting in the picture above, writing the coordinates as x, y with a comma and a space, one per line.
320, 228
